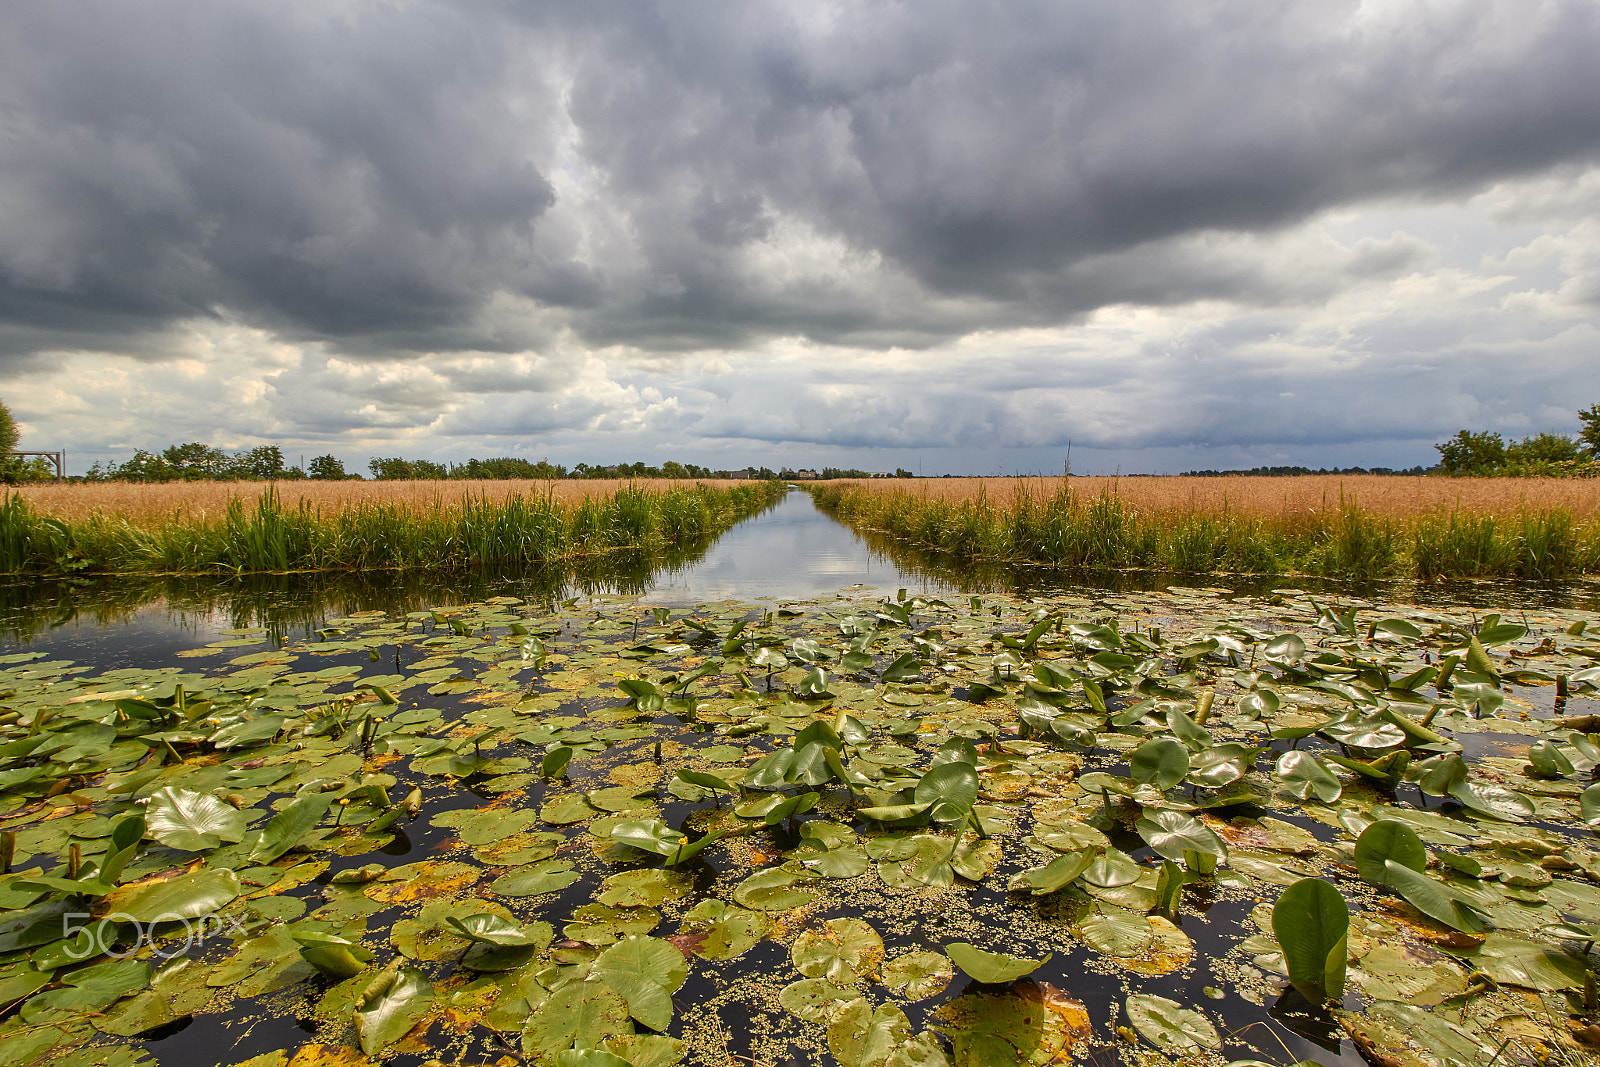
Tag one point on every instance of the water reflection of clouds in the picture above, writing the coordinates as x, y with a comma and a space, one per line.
791, 551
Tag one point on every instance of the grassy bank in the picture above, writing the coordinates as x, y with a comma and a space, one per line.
410, 529
1150, 525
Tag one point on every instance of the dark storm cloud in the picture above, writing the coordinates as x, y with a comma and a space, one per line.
349, 177
717, 173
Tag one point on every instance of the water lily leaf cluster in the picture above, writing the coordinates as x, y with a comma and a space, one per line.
899, 830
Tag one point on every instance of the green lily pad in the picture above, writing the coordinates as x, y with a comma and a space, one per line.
772, 890
598, 924
395, 1003
645, 972
840, 950
1169, 1025
918, 974
186, 896
491, 929
837, 863
717, 931
190, 821
992, 967
564, 810
581, 1013
812, 999
289, 827
1515, 961
548, 877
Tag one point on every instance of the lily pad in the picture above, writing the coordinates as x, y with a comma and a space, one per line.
1169, 1025
841, 950
812, 999
192, 822
185, 896
992, 967
396, 1003
772, 890
716, 931
581, 1013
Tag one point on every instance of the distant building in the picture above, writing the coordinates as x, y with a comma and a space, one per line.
744, 474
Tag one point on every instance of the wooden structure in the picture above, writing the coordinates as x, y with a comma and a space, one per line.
57, 458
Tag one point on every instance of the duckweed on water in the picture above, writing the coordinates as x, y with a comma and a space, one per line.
855, 831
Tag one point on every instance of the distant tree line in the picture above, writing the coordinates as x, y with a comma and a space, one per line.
396, 469
197, 462
1294, 472
1544, 455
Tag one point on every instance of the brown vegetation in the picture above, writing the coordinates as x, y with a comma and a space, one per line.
1383, 496
150, 505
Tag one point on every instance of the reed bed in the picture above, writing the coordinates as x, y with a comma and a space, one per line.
412, 526
1383, 496
153, 505
1363, 527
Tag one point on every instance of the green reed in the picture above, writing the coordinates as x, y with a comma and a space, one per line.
1343, 540
267, 535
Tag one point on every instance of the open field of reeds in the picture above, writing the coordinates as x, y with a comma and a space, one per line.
152, 505
244, 527
1338, 526
1384, 496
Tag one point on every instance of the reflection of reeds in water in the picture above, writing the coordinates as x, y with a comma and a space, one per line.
280, 533
1050, 521
297, 604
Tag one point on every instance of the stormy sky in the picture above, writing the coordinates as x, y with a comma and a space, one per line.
953, 237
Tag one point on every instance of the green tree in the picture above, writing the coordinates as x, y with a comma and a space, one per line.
195, 460
1590, 434
8, 430
327, 469
506, 467
145, 467
396, 468
1543, 448
260, 463
12, 469
1465, 453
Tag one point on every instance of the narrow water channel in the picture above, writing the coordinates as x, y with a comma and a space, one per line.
791, 551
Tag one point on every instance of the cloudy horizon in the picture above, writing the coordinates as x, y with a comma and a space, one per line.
949, 237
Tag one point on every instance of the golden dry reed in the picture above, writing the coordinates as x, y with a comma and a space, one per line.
1384, 496
151, 505
210, 528
1371, 526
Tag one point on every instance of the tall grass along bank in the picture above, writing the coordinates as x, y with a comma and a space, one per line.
270, 533
1051, 521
